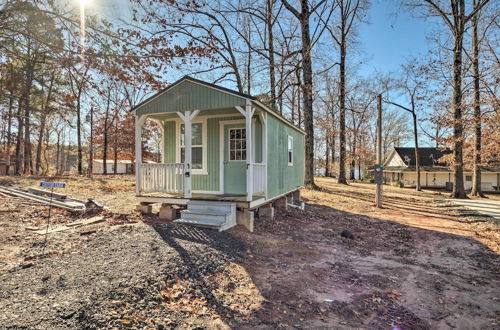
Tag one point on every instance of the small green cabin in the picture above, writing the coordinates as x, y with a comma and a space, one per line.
218, 145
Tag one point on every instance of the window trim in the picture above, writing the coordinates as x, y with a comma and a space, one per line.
204, 134
288, 150
229, 145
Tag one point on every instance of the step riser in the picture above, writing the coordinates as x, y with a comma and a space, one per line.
204, 218
216, 207
212, 214
202, 209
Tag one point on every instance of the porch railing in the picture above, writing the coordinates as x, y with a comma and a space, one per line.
259, 179
168, 178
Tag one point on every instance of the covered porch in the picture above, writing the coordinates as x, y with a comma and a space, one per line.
207, 153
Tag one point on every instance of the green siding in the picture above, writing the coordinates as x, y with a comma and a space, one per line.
188, 95
205, 182
282, 178
169, 142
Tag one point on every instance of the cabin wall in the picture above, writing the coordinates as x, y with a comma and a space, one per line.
209, 182
282, 178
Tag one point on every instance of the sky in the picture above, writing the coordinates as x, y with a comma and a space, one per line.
392, 36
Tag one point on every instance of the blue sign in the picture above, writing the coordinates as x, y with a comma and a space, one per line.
52, 184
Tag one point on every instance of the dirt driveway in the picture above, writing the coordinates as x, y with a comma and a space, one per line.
486, 207
419, 263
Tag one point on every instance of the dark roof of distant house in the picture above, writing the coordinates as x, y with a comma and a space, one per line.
428, 156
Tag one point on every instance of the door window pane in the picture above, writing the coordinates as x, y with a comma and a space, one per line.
237, 144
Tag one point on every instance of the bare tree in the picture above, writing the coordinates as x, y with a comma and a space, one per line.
350, 11
306, 11
413, 87
455, 18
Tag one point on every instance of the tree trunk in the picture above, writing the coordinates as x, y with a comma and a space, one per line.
47, 148
307, 94
342, 156
307, 89
353, 162
327, 155
19, 137
270, 43
115, 159
39, 145
27, 113
105, 146
458, 127
476, 178
79, 131
43, 121
9, 131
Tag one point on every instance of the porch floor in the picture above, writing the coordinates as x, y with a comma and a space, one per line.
224, 197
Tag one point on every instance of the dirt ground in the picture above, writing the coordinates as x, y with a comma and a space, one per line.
418, 263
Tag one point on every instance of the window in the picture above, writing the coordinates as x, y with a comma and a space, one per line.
237, 144
468, 178
196, 146
290, 150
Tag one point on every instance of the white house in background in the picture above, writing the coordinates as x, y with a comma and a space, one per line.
400, 167
123, 166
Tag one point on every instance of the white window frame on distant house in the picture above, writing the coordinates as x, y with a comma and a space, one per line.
203, 122
289, 153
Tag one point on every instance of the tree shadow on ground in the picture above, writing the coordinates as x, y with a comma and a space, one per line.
423, 209
292, 263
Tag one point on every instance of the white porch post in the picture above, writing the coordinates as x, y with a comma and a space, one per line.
187, 118
248, 113
263, 120
139, 121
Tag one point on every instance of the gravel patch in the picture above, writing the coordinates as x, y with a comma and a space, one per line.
115, 280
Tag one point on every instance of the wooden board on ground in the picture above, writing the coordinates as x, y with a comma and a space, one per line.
68, 226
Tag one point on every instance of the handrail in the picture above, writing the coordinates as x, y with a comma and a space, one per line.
162, 177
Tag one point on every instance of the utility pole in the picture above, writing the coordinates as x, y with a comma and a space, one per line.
379, 170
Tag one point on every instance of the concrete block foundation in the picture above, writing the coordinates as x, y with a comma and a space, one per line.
168, 212
245, 218
281, 204
144, 208
266, 212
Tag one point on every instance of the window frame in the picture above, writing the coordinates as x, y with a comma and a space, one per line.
289, 151
203, 121
229, 144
